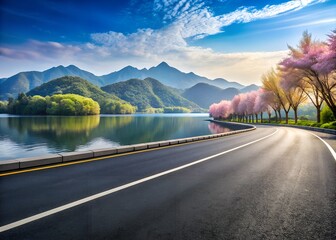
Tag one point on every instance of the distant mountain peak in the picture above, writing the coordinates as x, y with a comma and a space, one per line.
249, 88
163, 64
129, 67
221, 79
59, 66
71, 66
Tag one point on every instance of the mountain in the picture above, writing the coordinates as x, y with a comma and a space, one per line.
222, 83
166, 74
205, 94
2, 80
124, 74
25, 81
148, 93
70, 84
170, 76
249, 88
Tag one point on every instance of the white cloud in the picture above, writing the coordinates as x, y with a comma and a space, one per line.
311, 23
146, 47
39, 50
195, 19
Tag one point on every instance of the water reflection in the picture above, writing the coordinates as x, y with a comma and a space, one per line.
215, 128
31, 136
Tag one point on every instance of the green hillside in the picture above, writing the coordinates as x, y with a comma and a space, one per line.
26, 81
77, 85
149, 93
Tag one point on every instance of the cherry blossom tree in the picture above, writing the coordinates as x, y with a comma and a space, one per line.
234, 107
221, 110
242, 107
250, 102
262, 105
311, 66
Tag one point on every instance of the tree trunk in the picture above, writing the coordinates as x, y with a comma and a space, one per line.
286, 116
261, 117
256, 117
269, 117
295, 115
280, 118
318, 114
276, 116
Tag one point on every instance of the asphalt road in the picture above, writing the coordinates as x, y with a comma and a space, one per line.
271, 183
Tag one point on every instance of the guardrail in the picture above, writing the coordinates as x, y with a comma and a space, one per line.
24, 163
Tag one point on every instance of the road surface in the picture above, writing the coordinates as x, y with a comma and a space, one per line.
271, 183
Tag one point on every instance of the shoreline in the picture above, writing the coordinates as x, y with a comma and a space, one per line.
68, 157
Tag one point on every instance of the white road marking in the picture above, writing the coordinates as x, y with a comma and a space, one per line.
328, 146
117, 189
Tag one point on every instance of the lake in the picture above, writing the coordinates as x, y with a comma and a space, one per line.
27, 136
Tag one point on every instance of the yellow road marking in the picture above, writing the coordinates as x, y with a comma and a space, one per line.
120, 188
101, 158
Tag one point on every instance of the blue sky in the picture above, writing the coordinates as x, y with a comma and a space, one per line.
236, 40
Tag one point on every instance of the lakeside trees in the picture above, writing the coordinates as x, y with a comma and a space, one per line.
111, 106
308, 73
67, 104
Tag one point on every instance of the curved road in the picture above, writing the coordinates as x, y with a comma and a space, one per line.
271, 183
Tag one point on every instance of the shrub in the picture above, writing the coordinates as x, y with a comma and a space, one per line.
330, 125
71, 104
327, 115
117, 107
3, 107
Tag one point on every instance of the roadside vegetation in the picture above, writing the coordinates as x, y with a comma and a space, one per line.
307, 75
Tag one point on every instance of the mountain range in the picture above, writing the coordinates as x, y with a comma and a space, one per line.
170, 76
149, 93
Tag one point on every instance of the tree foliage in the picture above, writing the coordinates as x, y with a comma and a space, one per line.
67, 104
109, 103
309, 72
312, 67
327, 115
117, 107
3, 106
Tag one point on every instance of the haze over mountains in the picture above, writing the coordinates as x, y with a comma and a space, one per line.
205, 94
170, 76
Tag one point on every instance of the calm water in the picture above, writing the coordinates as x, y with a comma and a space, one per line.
33, 136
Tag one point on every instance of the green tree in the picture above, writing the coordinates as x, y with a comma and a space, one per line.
37, 105
3, 107
327, 115
117, 107
72, 104
19, 106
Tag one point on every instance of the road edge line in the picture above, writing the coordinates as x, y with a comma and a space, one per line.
18, 163
119, 188
333, 153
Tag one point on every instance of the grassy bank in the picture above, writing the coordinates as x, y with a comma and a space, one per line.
309, 123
